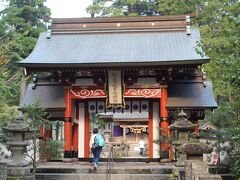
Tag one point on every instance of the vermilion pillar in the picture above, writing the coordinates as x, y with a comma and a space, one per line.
41, 132
75, 140
48, 133
164, 115
196, 130
75, 131
68, 125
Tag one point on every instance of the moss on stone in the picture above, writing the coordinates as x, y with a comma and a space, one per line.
194, 148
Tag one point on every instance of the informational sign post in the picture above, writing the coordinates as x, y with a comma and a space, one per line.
115, 89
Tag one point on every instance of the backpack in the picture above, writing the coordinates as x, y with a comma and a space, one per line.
95, 143
100, 140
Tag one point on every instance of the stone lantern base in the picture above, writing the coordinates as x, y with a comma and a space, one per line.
19, 173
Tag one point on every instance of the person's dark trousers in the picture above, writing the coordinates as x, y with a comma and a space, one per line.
96, 154
141, 151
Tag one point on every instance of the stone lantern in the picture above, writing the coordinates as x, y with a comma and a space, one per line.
187, 149
17, 167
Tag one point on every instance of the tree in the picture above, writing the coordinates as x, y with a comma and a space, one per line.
21, 22
142, 8
7, 113
219, 23
35, 116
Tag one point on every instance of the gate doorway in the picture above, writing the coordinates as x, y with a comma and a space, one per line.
122, 128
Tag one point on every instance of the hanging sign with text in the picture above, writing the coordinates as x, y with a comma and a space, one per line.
115, 91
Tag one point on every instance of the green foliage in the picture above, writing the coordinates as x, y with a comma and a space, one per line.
9, 77
173, 7
220, 26
20, 24
7, 114
35, 116
51, 150
100, 123
219, 23
235, 140
142, 8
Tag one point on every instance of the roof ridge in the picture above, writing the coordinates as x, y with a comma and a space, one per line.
113, 24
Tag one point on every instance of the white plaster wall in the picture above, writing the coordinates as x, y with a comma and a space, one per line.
156, 120
81, 130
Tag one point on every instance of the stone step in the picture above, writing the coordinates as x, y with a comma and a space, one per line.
103, 170
59, 176
116, 168
133, 153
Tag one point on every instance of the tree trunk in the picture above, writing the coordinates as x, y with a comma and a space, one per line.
57, 130
34, 153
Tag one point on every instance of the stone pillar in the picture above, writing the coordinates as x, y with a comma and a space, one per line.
3, 170
107, 133
198, 170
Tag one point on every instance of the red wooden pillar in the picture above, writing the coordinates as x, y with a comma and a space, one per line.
75, 140
86, 132
164, 115
75, 131
41, 132
150, 131
68, 125
48, 133
196, 130
41, 137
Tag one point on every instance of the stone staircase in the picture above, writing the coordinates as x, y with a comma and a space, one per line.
132, 151
119, 171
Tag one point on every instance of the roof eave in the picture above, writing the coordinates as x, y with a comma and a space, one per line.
117, 64
191, 107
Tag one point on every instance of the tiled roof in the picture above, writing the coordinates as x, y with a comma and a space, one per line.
113, 49
191, 95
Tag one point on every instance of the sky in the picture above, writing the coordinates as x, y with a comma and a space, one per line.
68, 8
65, 8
